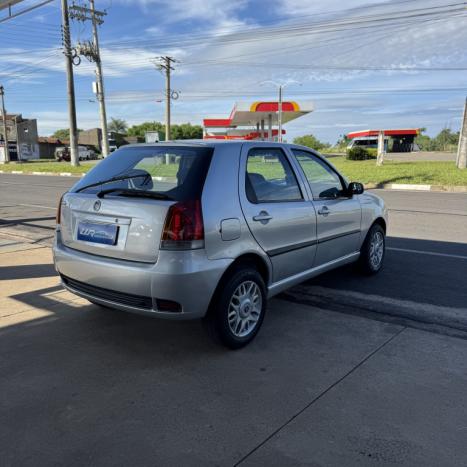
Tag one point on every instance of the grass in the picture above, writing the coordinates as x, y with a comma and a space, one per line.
418, 173
46, 166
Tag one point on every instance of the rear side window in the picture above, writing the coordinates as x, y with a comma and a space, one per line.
178, 172
270, 178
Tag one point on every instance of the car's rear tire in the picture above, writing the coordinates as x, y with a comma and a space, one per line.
373, 251
237, 309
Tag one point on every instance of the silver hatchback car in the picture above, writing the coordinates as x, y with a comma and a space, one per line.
211, 230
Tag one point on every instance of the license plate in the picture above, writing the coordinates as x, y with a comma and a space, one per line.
105, 234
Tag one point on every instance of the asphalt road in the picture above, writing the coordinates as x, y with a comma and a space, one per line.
427, 239
321, 385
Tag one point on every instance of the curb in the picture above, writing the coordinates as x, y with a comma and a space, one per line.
49, 174
407, 187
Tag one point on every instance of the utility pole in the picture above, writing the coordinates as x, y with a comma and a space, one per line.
165, 64
5, 130
70, 85
462, 148
91, 51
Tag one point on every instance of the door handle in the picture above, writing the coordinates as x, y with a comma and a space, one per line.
262, 217
324, 211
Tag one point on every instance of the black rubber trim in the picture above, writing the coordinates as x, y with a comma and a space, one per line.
333, 237
299, 246
286, 249
136, 301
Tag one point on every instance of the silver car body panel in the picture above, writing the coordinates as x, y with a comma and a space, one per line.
140, 225
295, 245
289, 236
187, 277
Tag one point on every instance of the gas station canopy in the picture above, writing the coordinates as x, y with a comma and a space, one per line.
254, 120
396, 133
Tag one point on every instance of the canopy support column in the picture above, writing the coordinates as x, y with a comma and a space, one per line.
270, 127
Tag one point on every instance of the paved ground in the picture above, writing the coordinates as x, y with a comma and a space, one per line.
414, 156
421, 156
342, 373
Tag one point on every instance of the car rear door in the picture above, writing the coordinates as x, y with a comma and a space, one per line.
277, 211
338, 215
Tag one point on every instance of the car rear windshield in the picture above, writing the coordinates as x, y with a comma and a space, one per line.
176, 171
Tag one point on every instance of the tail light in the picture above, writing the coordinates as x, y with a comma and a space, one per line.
183, 229
59, 211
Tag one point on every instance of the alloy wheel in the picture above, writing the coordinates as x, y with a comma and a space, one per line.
245, 308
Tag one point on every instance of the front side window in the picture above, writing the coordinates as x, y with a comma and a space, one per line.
270, 178
324, 181
177, 172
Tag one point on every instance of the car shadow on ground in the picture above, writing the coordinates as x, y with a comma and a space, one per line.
26, 271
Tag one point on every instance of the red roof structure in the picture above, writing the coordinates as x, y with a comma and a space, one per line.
396, 133
254, 120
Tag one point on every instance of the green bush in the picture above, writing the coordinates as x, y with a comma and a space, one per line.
359, 153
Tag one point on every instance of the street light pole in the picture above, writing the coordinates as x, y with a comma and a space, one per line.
5, 130
281, 87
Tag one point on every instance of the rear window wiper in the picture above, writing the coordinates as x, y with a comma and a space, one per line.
113, 179
135, 193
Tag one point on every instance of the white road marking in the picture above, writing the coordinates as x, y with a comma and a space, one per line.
37, 206
424, 252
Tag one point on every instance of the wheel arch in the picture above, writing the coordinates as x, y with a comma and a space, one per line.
381, 222
252, 259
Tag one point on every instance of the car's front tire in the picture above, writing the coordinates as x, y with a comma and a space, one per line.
373, 250
238, 308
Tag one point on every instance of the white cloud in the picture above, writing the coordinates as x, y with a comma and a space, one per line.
171, 11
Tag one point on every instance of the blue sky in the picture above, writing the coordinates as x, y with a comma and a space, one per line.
227, 49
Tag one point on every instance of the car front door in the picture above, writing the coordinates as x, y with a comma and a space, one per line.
338, 214
277, 211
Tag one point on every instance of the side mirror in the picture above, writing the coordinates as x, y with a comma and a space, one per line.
356, 188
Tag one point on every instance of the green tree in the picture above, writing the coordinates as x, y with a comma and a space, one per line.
182, 131
424, 142
140, 130
186, 131
311, 141
343, 142
117, 125
446, 139
63, 133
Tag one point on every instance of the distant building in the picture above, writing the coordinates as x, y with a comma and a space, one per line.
22, 138
395, 140
48, 145
93, 137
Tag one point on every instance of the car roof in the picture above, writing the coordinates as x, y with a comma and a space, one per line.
214, 143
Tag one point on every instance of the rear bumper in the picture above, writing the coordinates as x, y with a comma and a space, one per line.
186, 277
